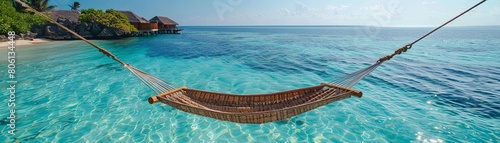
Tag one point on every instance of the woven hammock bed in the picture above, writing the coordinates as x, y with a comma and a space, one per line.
258, 108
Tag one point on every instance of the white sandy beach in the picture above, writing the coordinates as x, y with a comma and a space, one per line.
24, 43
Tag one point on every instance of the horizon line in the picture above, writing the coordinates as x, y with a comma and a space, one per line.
320, 25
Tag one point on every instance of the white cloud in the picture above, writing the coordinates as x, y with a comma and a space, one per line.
495, 11
197, 18
336, 8
284, 12
300, 7
302, 10
253, 15
377, 7
428, 2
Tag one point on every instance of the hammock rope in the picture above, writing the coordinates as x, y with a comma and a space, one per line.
407, 47
350, 80
258, 108
102, 50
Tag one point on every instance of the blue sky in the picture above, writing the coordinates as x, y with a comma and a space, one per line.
305, 12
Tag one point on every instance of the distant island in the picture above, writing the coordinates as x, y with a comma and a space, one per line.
89, 23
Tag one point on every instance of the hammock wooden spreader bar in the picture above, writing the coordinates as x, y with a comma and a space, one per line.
258, 108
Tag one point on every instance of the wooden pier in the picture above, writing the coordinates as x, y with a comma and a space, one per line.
166, 25
156, 25
170, 31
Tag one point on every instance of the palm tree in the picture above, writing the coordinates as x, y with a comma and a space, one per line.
40, 5
75, 6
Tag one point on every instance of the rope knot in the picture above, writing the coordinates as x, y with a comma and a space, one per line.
408, 47
399, 51
383, 59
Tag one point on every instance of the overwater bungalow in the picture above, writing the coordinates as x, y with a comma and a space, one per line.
166, 25
141, 24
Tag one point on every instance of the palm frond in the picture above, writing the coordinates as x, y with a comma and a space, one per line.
50, 7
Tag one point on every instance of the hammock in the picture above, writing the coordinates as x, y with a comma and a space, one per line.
259, 108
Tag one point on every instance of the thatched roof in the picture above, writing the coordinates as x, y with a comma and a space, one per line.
132, 17
71, 15
164, 20
144, 19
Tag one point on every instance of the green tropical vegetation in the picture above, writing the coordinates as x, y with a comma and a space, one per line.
40, 5
13, 20
109, 18
75, 6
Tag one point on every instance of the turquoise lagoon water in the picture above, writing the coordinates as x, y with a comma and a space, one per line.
445, 89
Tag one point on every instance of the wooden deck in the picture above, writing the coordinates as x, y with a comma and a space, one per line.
154, 32
170, 31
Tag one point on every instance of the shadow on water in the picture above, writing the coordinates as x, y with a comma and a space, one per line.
110, 67
481, 108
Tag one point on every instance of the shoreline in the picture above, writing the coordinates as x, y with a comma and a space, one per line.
27, 43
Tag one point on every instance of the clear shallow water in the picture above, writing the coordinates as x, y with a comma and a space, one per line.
445, 89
